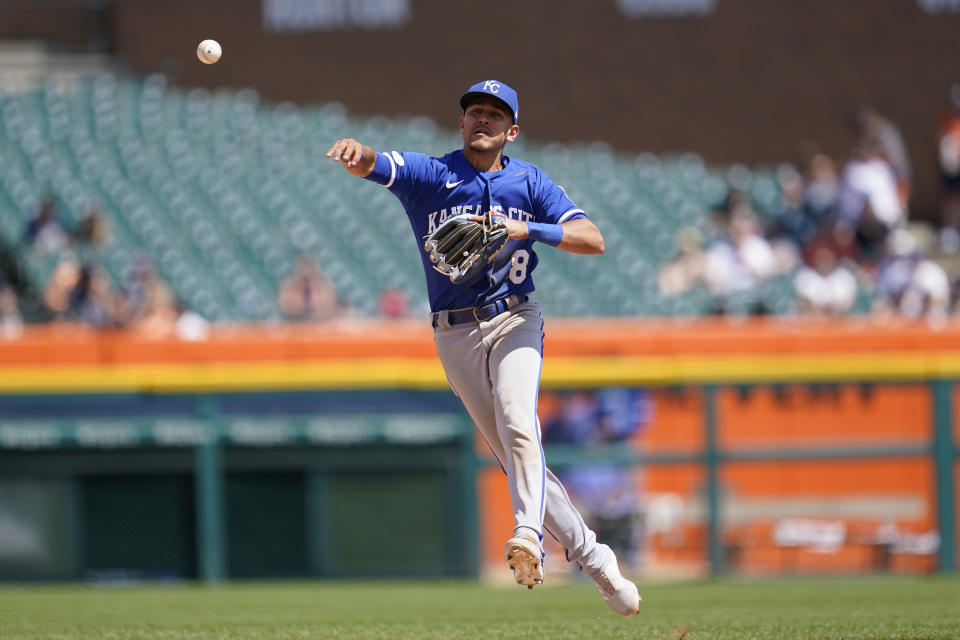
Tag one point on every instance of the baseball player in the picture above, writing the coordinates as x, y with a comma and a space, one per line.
488, 330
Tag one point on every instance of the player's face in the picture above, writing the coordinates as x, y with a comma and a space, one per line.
487, 126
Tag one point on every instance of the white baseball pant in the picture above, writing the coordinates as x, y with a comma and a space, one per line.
494, 368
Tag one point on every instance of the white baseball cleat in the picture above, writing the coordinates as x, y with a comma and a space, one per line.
526, 559
620, 593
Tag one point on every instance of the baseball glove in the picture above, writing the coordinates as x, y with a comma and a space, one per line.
460, 248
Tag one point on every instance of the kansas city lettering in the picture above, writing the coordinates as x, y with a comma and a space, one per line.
438, 217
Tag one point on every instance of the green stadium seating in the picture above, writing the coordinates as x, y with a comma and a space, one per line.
223, 192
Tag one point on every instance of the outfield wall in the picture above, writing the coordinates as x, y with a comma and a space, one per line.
755, 425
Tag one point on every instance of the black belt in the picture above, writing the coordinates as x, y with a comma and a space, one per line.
481, 314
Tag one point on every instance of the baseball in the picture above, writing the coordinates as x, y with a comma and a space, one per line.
209, 51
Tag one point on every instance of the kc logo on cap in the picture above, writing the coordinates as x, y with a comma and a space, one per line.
496, 89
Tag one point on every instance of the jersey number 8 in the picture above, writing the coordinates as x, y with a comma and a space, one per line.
519, 262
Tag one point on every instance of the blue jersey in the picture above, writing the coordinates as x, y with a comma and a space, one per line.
434, 189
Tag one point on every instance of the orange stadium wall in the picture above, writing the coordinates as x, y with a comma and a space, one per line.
837, 384
867, 494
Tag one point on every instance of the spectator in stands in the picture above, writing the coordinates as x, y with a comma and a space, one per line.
45, 232
94, 301
11, 322
871, 127
821, 190
824, 286
163, 316
790, 218
81, 291
307, 293
147, 294
869, 202
686, 269
791, 228
807, 212
908, 283
393, 303
158, 315
740, 257
93, 233
949, 166
56, 292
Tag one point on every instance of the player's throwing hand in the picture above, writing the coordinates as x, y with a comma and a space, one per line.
357, 158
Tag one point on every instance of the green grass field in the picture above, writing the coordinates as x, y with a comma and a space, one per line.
802, 609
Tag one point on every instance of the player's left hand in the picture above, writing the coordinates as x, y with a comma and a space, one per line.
516, 230
464, 244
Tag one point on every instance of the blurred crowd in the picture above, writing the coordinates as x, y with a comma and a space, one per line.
77, 287
308, 294
839, 236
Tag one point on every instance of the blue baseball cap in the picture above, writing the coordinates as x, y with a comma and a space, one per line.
495, 89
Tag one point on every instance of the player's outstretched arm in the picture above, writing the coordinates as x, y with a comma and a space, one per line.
580, 235
356, 158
